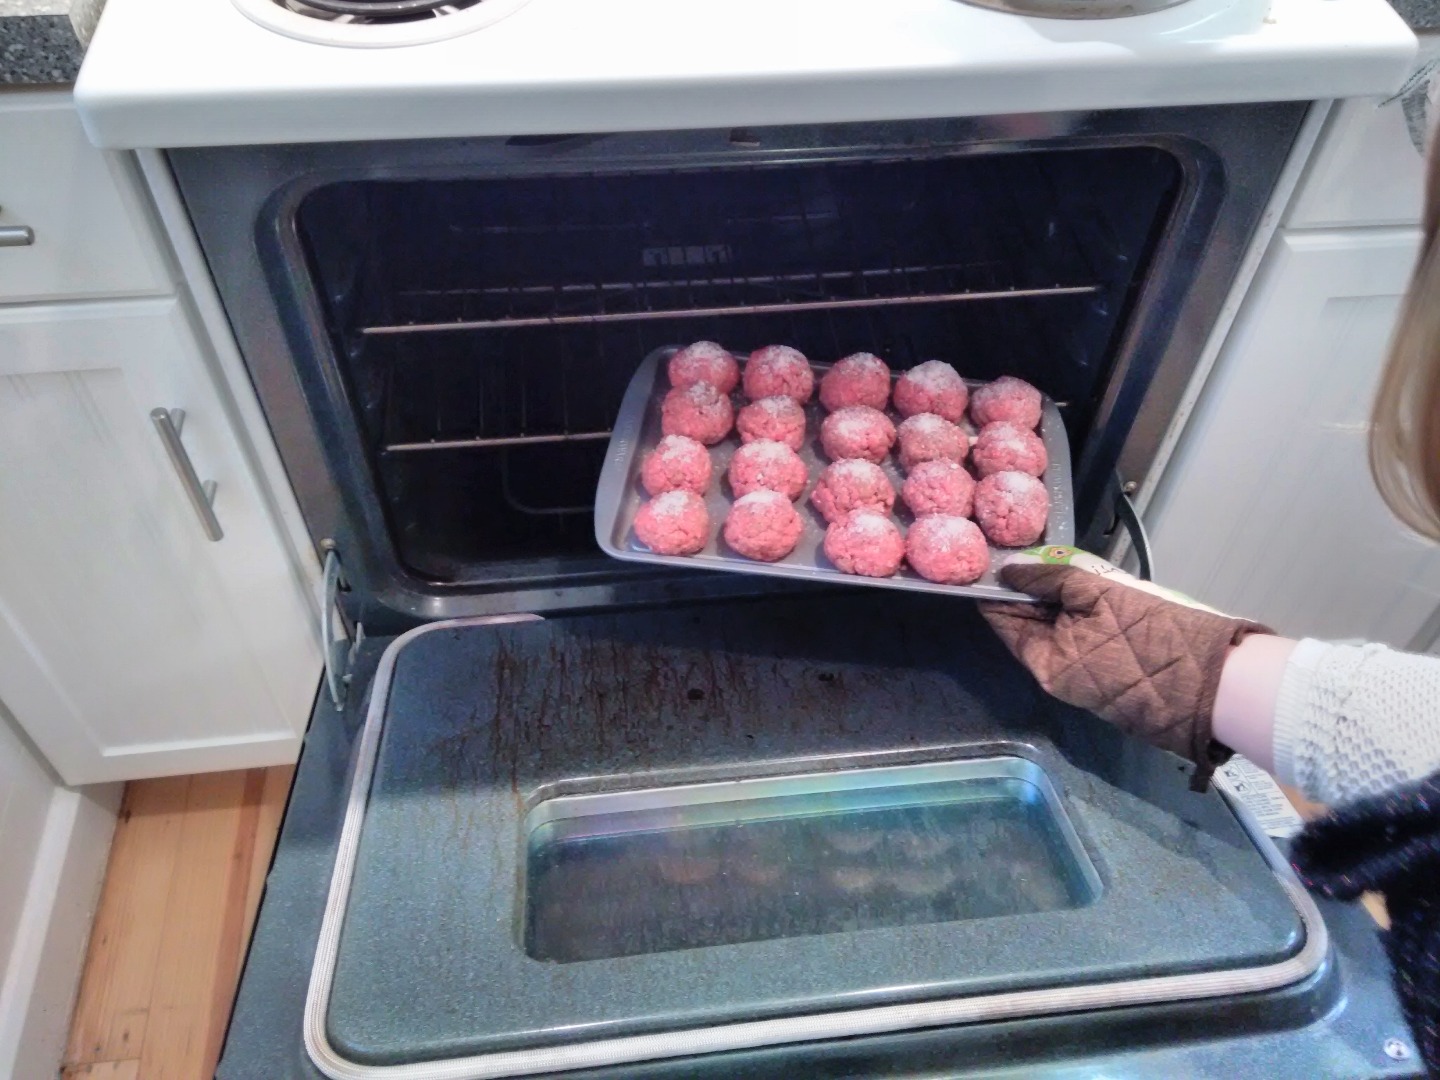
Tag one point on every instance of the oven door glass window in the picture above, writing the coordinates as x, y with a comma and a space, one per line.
688, 867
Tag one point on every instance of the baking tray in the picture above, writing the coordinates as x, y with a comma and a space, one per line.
637, 430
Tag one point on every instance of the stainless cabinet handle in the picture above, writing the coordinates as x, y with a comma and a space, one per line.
168, 424
16, 236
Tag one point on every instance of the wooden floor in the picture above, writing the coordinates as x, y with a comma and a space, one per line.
181, 891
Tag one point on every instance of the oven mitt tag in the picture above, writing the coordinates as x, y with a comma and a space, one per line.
1143, 657
1061, 555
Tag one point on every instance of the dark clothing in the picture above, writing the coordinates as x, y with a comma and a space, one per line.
1390, 844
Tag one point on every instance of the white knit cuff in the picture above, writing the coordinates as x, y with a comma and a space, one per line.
1291, 703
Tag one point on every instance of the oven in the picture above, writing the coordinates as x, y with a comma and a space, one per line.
558, 814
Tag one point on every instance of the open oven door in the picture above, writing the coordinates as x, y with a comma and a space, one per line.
809, 835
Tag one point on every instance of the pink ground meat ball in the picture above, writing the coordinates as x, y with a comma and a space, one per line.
673, 523
698, 412
852, 485
676, 464
932, 387
1012, 508
859, 379
778, 418
928, 437
705, 362
768, 466
866, 543
779, 370
947, 549
1006, 447
763, 525
939, 487
857, 432
1007, 398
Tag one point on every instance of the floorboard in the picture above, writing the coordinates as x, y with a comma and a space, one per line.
183, 884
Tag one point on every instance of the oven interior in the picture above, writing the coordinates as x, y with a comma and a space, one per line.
485, 328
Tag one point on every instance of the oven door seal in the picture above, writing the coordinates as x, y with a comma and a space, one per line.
845, 1023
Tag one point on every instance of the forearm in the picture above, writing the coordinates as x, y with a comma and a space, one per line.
1249, 692
1337, 721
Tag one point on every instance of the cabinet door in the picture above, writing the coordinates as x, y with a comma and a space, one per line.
130, 644
89, 234
1366, 170
1268, 509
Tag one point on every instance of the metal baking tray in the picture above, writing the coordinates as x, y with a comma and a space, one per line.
637, 430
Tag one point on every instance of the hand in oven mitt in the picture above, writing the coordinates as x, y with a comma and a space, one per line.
1145, 658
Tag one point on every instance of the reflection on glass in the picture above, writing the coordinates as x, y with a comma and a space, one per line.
685, 876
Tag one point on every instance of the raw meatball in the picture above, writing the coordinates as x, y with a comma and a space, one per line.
768, 466
932, 387
676, 464
928, 437
855, 484
1012, 508
1007, 398
866, 543
763, 525
778, 418
857, 432
1006, 447
779, 370
673, 523
699, 412
859, 379
939, 487
947, 549
705, 361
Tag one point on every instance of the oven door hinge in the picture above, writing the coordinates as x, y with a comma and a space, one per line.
339, 649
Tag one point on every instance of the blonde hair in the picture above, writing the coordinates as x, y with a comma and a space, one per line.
1405, 420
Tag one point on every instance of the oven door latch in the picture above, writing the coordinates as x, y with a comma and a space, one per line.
339, 649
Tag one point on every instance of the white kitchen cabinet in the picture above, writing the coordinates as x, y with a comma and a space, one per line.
89, 231
25, 788
53, 846
1268, 508
1354, 178
1366, 170
131, 644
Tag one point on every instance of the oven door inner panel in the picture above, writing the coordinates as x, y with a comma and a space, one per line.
591, 828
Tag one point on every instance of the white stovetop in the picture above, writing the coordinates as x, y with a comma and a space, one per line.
198, 72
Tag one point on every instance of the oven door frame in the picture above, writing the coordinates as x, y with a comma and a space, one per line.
243, 201
848, 1021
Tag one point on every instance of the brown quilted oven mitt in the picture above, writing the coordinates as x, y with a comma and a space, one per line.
1148, 664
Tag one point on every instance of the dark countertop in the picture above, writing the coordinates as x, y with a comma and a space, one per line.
1422, 15
38, 50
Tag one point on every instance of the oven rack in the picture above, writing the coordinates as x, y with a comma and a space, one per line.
527, 427
641, 301
586, 255
484, 399
479, 399
497, 394
536, 356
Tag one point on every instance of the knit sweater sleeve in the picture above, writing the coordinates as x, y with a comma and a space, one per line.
1356, 720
